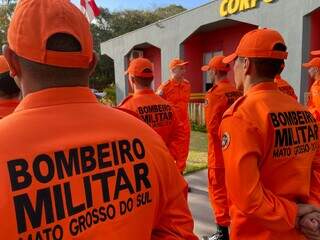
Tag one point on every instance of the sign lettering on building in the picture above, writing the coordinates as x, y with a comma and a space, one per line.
229, 7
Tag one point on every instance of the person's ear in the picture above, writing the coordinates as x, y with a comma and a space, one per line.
13, 61
247, 65
94, 63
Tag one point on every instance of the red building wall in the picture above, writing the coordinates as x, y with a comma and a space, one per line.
225, 40
315, 30
154, 55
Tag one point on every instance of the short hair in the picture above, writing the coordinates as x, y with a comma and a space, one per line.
8, 86
144, 81
267, 67
59, 42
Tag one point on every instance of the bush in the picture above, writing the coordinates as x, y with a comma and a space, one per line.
110, 97
198, 128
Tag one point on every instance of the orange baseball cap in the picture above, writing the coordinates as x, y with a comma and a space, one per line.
140, 67
177, 63
4, 67
216, 63
315, 62
315, 53
259, 43
34, 22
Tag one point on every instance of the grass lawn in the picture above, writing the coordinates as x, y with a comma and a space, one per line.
198, 154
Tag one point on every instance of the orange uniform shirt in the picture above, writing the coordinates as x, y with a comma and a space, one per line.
314, 97
7, 106
285, 87
269, 143
178, 94
218, 99
160, 115
72, 168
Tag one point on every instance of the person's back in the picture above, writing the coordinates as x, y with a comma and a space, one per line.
72, 168
285, 87
288, 139
269, 144
154, 110
92, 179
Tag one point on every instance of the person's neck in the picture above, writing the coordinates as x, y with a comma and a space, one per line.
141, 88
29, 87
249, 83
177, 79
219, 79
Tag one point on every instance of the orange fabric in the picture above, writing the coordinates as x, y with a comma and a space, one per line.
160, 115
138, 66
315, 53
178, 94
218, 100
34, 22
259, 43
92, 171
177, 63
216, 63
285, 87
7, 106
315, 62
314, 97
4, 67
269, 142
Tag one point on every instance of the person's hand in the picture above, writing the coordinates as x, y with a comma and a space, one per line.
304, 209
309, 223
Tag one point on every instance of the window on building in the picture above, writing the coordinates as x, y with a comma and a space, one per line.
206, 59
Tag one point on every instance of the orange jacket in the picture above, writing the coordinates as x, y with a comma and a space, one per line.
178, 94
314, 97
7, 106
158, 114
218, 100
269, 143
77, 169
285, 87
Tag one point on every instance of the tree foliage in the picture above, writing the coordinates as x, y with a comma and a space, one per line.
107, 26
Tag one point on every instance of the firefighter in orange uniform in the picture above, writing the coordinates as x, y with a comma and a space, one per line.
283, 85
313, 67
218, 99
152, 109
9, 91
72, 168
269, 144
177, 92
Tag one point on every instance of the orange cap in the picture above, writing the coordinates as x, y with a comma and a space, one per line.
140, 67
259, 43
4, 67
177, 63
315, 53
315, 62
216, 63
35, 21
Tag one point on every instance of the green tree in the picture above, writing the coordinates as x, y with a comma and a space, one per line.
113, 24
6, 10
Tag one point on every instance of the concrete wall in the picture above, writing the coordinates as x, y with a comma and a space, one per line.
286, 16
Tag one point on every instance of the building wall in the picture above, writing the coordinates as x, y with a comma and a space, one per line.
225, 40
286, 16
154, 55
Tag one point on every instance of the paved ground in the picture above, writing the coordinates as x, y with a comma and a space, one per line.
199, 203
